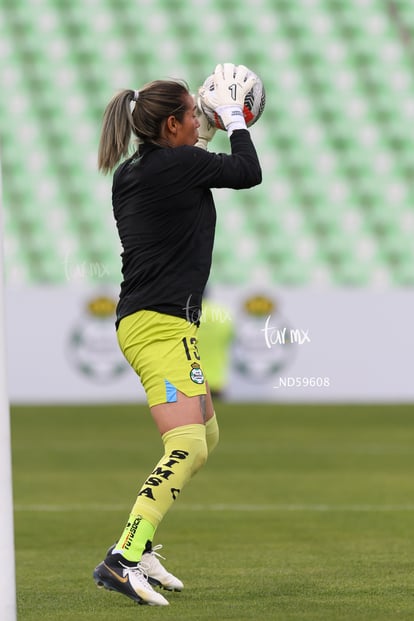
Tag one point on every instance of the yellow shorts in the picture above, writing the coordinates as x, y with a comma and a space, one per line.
162, 350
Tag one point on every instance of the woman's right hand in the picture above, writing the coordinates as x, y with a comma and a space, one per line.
231, 85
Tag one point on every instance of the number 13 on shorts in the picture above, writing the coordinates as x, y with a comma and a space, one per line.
190, 348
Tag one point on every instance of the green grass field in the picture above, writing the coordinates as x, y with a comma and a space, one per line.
302, 513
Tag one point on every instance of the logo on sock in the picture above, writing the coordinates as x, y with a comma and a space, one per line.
131, 533
174, 492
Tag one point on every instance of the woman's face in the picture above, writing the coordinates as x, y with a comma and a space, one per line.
184, 132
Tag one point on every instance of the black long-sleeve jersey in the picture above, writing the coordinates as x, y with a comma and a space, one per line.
166, 218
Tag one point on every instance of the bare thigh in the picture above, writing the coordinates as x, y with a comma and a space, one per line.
185, 411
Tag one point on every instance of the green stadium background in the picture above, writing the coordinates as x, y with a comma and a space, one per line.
335, 210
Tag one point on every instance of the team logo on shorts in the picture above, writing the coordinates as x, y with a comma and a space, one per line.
196, 374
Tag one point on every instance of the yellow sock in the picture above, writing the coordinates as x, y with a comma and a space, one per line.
134, 538
185, 453
212, 433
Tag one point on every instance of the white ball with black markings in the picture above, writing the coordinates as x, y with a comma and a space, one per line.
254, 102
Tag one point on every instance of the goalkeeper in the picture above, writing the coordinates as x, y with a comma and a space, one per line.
165, 216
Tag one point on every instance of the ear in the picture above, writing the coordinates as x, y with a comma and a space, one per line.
172, 124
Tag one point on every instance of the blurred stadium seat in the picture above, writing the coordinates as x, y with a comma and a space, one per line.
336, 139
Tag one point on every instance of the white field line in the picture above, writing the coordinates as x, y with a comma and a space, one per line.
276, 508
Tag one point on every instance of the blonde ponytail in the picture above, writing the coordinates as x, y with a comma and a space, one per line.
117, 127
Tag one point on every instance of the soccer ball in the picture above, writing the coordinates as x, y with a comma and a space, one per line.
254, 102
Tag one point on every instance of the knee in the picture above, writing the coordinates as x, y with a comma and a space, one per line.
212, 434
187, 443
200, 454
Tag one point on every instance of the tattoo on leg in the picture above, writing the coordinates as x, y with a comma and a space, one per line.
203, 407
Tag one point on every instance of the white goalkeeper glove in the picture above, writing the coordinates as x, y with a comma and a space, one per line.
231, 85
206, 130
